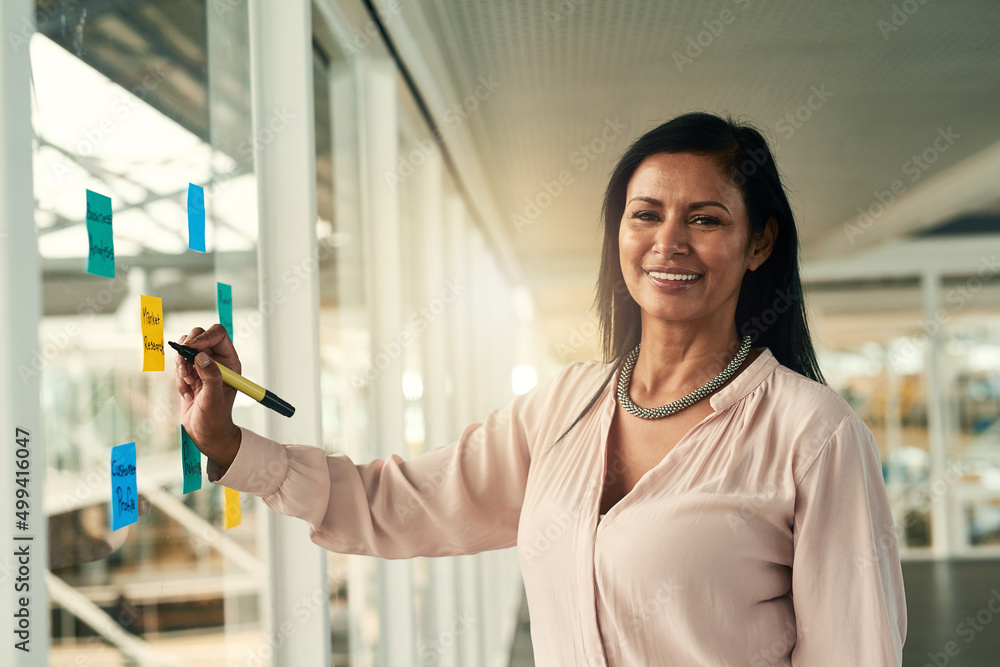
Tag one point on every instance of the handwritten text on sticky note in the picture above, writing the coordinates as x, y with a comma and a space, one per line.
101, 258
191, 463
152, 332
124, 489
225, 299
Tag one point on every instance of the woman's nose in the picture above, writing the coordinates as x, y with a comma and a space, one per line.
671, 236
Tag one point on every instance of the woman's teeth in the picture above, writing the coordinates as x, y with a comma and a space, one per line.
673, 276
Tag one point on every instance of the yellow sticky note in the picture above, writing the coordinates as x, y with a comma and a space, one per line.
233, 515
152, 332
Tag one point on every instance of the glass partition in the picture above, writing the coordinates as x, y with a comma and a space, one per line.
971, 368
875, 346
883, 381
343, 329
135, 101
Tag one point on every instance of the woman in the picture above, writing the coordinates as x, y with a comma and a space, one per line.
737, 518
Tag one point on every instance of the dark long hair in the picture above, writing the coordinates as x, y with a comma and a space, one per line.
770, 308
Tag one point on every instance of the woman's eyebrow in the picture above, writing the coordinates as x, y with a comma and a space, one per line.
700, 204
692, 205
649, 200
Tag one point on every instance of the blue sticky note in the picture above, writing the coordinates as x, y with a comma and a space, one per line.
101, 258
225, 300
191, 462
196, 217
124, 490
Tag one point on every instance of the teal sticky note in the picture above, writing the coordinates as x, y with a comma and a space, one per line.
101, 258
225, 300
124, 489
196, 217
191, 462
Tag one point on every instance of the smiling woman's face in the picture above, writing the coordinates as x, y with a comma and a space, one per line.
683, 240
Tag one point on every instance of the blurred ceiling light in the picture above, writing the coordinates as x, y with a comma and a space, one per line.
413, 384
521, 302
523, 378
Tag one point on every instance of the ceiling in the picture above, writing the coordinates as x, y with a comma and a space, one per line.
847, 93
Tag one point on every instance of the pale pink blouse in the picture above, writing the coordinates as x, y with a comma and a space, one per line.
764, 537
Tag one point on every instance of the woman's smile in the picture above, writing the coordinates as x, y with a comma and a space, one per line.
673, 282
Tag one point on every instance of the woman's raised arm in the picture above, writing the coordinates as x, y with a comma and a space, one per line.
461, 498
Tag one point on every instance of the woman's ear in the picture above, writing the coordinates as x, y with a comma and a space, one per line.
761, 249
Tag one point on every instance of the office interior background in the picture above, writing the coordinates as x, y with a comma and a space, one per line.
404, 196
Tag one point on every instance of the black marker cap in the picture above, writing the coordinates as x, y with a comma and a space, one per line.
276, 404
188, 353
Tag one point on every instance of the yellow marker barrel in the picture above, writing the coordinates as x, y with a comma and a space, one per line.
255, 391
237, 381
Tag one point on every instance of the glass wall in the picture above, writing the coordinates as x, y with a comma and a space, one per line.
135, 102
919, 361
422, 265
343, 331
971, 369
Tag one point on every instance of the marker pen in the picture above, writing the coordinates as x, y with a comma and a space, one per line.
240, 383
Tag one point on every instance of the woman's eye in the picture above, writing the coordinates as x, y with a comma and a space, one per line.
644, 215
705, 220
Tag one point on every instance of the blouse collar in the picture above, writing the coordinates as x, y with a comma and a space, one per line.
745, 382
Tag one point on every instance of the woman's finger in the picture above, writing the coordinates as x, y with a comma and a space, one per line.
215, 342
197, 331
186, 370
190, 379
181, 364
182, 386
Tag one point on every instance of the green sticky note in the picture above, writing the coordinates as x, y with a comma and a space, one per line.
191, 462
101, 258
225, 300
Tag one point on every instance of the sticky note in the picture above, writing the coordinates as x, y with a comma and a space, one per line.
101, 258
191, 463
225, 300
196, 217
124, 489
233, 514
152, 332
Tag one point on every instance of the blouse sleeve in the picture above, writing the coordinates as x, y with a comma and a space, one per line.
847, 585
461, 498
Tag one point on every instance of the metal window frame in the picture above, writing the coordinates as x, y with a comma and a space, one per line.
296, 627
20, 300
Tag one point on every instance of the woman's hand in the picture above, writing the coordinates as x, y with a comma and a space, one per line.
206, 401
